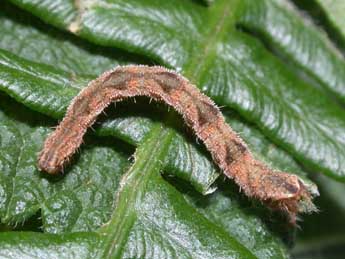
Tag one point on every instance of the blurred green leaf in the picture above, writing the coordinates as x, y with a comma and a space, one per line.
322, 234
334, 11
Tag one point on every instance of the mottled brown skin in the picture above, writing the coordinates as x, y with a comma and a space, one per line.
277, 189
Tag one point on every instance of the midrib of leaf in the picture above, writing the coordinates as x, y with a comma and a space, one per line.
223, 11
147, 163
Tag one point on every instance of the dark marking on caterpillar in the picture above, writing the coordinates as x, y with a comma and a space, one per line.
118, 80
82, 105
229, 156
291, 188
207, 113
240, 147
234, 151
276, 180
168, 81
279, 190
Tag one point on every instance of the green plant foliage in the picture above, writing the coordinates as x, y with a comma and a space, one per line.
333, 10
137, 188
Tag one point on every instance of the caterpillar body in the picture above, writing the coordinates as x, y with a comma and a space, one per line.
277, 189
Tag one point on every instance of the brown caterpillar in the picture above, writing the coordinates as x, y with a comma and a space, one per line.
277, 189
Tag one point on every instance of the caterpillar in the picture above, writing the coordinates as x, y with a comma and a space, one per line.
279, 190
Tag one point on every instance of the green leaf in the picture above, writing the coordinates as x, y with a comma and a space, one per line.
232, 67
135, 212
296, 40
30, 38
77, 210
63, 217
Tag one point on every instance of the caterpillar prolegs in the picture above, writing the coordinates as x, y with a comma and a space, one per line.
277, 189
